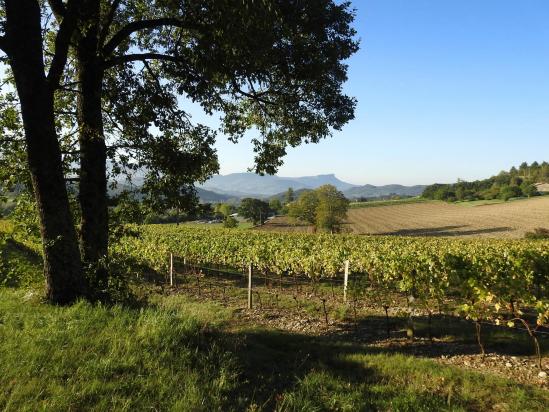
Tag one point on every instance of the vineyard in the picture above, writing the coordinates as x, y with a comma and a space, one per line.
501, 282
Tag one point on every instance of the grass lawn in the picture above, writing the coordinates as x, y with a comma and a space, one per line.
178, 354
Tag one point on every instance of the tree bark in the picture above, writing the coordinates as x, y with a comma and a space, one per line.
62, 266
93, 151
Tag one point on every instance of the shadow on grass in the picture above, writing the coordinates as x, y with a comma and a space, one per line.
23, 263
448, 231
444, 335
288, 371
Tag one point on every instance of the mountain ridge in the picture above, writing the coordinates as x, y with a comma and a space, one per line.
253, 185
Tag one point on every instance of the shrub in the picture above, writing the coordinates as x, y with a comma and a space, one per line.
230, 222
508, 192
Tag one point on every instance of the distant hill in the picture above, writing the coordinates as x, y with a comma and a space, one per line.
387, 190
207, 196
251, 184
232, 187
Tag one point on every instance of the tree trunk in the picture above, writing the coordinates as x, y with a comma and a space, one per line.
62, 266
93, 151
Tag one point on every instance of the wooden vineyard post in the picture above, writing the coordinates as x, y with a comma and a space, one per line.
345, 281
250, 268
171, 269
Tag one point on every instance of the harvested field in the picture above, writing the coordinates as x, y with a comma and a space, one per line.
509, 220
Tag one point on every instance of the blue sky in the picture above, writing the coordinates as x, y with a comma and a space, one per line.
446, 89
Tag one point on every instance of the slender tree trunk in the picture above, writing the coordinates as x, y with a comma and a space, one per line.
62, 266
93, 152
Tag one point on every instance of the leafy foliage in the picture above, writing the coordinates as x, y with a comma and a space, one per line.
325, 207
506, 185
484, 275
332, 208
255, 210
230, 222
304, 208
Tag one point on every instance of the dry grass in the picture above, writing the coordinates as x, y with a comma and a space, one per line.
509, 220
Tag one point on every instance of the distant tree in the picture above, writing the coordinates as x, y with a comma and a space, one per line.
460, 193
528, 190
502, 178
508, 192
516, 181
128, 209
325, 208
255, 210
275, 205
491, 193
230, 222
223, 209
332, 208
445, 192
290, 196
304, 208
205, 210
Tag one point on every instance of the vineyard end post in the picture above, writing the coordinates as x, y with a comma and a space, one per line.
171, 269
250, 270
345, 281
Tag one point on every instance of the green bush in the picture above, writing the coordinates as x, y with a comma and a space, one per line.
508, 192
230, 222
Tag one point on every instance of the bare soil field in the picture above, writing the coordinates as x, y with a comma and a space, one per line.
509, 220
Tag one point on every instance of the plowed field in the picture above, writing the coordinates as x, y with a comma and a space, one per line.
511, 220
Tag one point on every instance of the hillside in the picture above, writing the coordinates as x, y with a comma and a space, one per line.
207, 196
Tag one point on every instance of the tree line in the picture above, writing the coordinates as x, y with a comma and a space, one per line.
517, 182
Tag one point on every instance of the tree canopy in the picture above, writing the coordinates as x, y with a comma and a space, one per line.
114, 78
325, 208
255, 210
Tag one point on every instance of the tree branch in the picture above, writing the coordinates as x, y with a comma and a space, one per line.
4, 44
254, 96
135, 26
62, 41
108, 22
141, 57
58, 8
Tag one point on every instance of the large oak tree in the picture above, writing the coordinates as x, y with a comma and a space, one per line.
271, 68
23, 43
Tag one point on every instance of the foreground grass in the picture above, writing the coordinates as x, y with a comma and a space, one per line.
93, 357
177, 354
